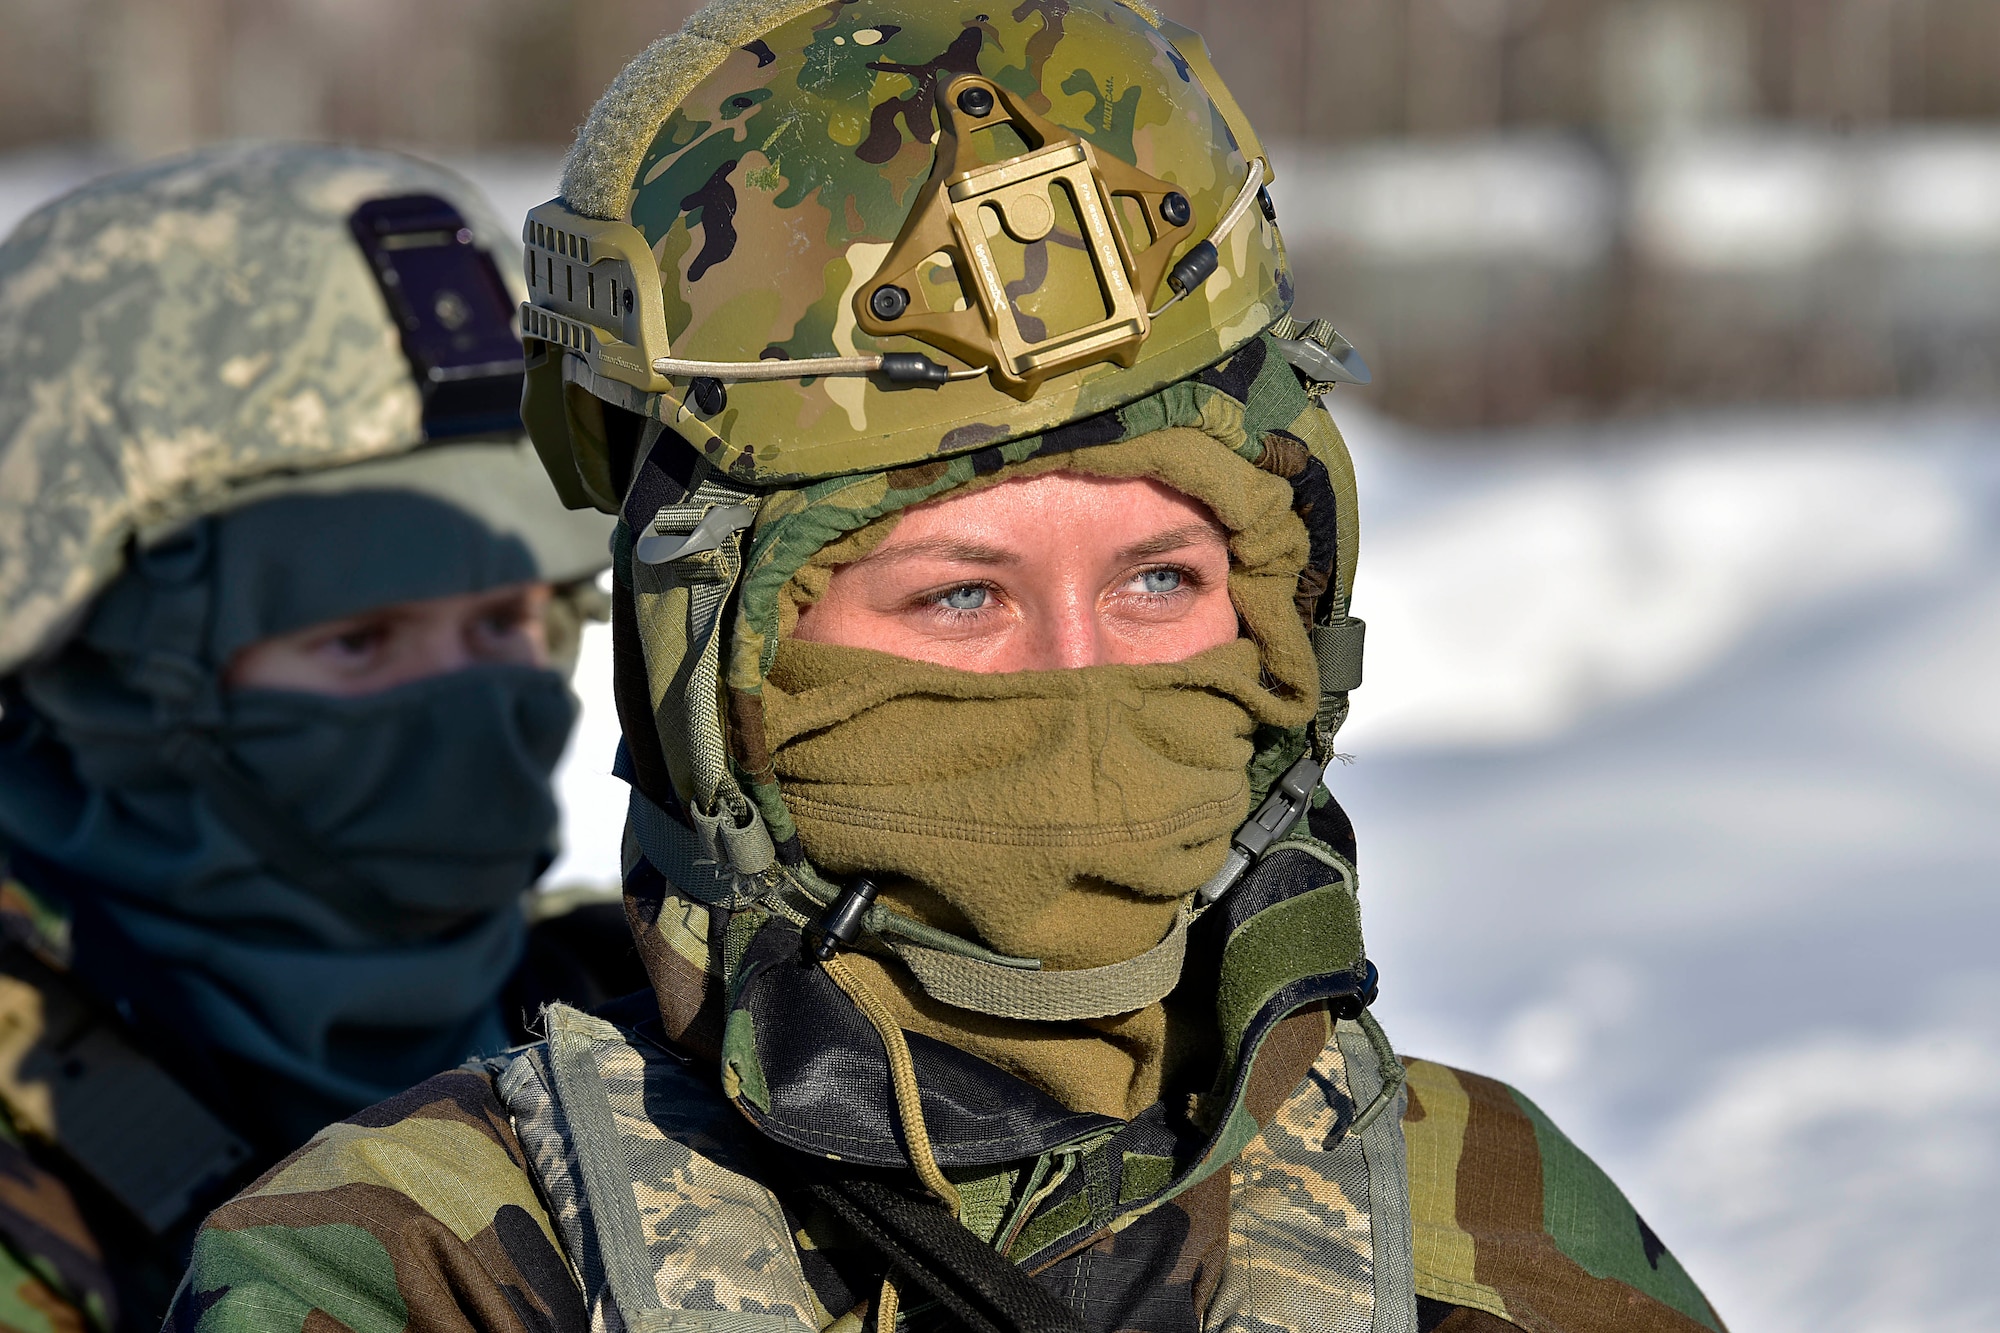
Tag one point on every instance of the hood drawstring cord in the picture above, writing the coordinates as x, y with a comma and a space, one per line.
903, 1078
885, 1306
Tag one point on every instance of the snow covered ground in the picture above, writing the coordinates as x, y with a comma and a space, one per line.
1676, 775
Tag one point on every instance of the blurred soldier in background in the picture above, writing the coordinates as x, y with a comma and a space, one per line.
286, 612
981, 637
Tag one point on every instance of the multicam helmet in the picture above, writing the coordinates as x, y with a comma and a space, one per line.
816, 262
836, 238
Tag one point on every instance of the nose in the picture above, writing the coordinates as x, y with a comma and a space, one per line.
445, 647
1073, 637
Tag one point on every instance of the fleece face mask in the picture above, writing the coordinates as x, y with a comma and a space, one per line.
1064, 816
435, 795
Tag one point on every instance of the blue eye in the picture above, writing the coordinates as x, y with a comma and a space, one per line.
971, 597
1160, 580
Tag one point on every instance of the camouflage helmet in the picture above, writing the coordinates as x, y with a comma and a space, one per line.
818, 262
197, 334
828, 238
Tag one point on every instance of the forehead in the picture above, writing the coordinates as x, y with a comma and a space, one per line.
1025, 510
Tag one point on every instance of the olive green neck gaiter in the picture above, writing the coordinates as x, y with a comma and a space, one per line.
1061, 815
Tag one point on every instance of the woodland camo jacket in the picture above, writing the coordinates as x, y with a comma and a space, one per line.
608, 1178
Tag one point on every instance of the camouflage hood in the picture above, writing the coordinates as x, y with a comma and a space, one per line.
1268, 967
690, 775
197, 334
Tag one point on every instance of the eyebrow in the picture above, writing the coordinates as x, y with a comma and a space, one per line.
978, 553
944, 548
1173, 539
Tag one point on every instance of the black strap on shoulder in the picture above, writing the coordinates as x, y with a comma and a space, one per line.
76, 1079
927, 1247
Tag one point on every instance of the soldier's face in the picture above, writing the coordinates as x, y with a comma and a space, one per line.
395, 645
1038, 574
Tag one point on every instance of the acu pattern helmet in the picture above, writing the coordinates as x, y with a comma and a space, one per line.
816, 262
196, 334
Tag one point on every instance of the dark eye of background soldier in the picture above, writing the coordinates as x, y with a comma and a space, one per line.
395, 645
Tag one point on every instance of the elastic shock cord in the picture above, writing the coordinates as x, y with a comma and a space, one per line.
902, 1079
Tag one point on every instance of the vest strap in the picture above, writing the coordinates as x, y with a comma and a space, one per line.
621, 1239
71, 1078
710, 1236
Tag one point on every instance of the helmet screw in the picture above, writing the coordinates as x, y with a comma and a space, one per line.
1267, 204
628, 300
1174, 208
889, 302
976, 102
709, 395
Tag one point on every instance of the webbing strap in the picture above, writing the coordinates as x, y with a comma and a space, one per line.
677, 852
706, 743
1391, 1070
1337, 649
700, 539
1378, 1082
1045, 996
711, 1321
980, 1289
608, 1183
621, 1239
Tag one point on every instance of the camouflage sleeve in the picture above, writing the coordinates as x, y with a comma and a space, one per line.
52, 1275
28, 1304
417, 1214
1514, 1228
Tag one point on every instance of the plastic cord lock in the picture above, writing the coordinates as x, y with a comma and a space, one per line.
1283, 808
842, 922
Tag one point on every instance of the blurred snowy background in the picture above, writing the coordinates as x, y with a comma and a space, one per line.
1677, 767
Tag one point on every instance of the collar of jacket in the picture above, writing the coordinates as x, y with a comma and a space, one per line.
1284, 953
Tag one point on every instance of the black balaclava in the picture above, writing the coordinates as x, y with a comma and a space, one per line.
320, 895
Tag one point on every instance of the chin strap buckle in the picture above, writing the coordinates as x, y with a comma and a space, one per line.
1284, 807
683, 530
